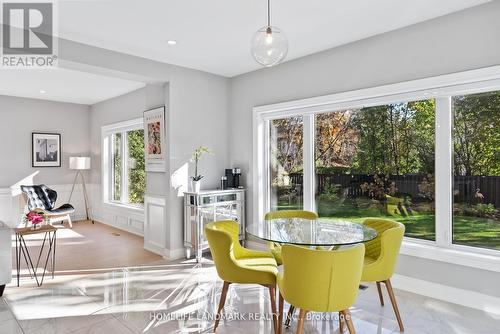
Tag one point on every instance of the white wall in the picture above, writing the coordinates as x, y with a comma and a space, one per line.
20, 117
453, 43
197, 116
197, 108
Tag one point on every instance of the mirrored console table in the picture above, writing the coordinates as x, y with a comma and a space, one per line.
208, 206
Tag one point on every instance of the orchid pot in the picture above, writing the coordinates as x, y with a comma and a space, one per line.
196, 186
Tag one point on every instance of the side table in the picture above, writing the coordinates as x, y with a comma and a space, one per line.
49, 232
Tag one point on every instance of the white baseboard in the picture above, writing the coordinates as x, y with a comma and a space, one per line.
153, 249
120, 227
167, 254
175, 254
447, 293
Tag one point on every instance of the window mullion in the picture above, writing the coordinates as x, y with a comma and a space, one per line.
308, 163
444, 168
124, 185
265, 127
107, 162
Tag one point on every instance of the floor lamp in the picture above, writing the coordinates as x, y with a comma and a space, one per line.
80, 164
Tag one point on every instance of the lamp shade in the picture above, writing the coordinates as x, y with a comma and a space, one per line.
80, 163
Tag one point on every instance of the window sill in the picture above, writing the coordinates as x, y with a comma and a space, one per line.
460, 255
134, 208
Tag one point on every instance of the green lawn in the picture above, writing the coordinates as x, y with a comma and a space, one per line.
476, 231
468, 230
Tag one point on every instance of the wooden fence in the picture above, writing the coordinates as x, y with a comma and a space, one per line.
464, 186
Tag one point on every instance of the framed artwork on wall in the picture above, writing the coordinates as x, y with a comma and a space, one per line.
46, 149
155, 139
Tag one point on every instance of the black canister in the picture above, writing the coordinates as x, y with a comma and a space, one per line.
223, 183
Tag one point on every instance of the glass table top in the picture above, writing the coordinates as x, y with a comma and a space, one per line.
307, 232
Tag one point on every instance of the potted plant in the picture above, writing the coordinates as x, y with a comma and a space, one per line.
196, 179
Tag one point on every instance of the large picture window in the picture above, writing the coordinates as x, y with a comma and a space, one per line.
377, 162
476, 192
426, 154
125, 176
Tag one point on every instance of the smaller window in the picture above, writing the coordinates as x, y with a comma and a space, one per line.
123, 155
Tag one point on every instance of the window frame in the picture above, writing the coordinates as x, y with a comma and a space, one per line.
107, 171
442, 89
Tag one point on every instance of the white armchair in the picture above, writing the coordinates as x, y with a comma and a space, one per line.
5, 256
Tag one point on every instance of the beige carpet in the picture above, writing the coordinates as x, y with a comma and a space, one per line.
90, 247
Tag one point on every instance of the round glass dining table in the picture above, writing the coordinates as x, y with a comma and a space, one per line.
305, 232
327, 233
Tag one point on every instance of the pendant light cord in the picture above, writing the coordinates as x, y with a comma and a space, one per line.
268, 13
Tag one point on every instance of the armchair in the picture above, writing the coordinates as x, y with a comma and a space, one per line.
42, 198
381, 256
236, 264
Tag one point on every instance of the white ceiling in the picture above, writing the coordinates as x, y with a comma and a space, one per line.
215, 35
63, 85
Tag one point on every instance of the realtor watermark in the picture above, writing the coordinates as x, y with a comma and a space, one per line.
237, 316
28, 34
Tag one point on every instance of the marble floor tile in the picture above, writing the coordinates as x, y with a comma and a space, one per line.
438, 316
10, 326
61, 325
50, 301
183, 297
5, 312
103, 327
8, 323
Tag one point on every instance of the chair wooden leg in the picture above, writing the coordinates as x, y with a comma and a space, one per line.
221, 304
348, 320
394, 304
341, 322
300, 324
280, 313
272, 294
70, 222
380, 296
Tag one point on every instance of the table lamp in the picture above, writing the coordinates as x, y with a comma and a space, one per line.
80, 164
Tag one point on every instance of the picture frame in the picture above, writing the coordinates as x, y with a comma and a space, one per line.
155, 139
45, 149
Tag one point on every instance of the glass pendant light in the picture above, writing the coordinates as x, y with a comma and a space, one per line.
269, 44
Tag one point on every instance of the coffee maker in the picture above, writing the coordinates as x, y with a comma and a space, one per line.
233, 177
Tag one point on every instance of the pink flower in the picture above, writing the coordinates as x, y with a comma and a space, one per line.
35, 218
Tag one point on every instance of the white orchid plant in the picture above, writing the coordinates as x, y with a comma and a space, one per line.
197, 154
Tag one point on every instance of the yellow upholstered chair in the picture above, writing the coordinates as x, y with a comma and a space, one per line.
236, 264
381, 256
275, 248
320, 281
